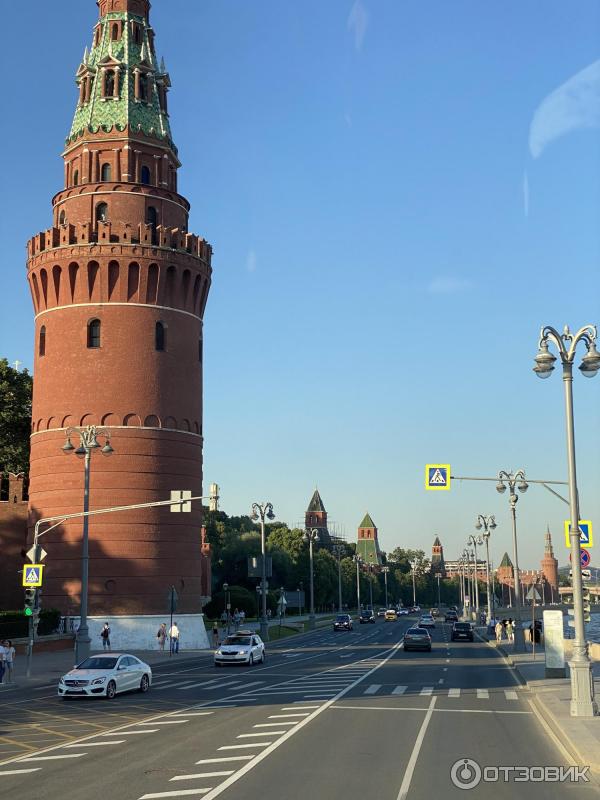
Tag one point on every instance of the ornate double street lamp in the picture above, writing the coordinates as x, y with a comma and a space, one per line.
311, 536
469, 582
583, 703
358, 561
338, 551
474, 541
512, 480
259, 512
385, 571
413, 565
88, 442
487, 524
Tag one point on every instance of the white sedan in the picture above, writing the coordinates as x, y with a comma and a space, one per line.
243, 647
106, 676
426, 621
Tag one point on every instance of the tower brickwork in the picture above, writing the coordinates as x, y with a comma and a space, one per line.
119, 286
437, 558
316, 517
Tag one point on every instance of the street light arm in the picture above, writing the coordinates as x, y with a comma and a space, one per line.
587, 334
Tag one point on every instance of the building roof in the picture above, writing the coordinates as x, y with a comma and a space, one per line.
506, 562
367, 522
316, 504
437, 542
125, 111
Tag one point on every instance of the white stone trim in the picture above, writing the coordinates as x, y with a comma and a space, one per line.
112, 193
123, 428
134, 305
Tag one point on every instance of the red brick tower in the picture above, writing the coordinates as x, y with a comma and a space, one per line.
550, 569
437, 558
119, 288
367, 544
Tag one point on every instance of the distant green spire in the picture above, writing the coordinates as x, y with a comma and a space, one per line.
123, 54
367, 522
506, 562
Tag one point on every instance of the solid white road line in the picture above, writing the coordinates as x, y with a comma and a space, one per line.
198, 775
130, 733
299, 707
181, 793
373, 688
193, 713
453, 692
262, 733
272, 724
164, 722
399, 689
18, 771
242, 746
482, 694
428, 690
50, 758
286, 716
95, 744
510, 695
224, 759
410, 767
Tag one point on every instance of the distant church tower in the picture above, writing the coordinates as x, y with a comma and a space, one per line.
119, 287
316, 517
437, 558
550, 568
367, 545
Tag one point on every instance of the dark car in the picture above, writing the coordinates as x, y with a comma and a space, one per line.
451, 616
366, 616
417, 639
462, 630
343, 622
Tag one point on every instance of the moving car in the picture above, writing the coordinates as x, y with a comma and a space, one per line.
451, 616
403, 612
417, 639
106, 676
462, 630
343, 622
243, 647
427, 621
391, 614
414, 610
366, 616
435, 612
381, 612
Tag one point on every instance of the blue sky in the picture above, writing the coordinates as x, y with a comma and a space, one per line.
390, 233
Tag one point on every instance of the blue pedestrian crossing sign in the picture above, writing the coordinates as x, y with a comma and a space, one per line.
437, 477
32, 575
585, 526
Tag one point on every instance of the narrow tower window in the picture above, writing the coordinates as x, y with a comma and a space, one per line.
114, 34
143, 84
146, 176
42, 344
160, 337
101, 212
93, 336
76, 178
109, 83
106, 172
61, 218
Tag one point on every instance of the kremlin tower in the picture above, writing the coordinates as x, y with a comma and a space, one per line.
119, 287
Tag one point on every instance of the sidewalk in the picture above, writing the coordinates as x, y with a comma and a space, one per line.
579, 736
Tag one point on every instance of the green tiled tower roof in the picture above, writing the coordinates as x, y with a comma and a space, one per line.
316, 504
367, 522
125, 111
506, 562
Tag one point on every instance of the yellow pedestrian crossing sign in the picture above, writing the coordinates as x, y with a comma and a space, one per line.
437, 477
585, 526
32, 575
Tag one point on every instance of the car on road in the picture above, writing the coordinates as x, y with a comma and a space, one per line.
106, 675
391, 614
242, 647
343, 622
435, 612
426, 621
381, 612
451, 616
417, 639
366, 616
462, 630
403, 612
414, 610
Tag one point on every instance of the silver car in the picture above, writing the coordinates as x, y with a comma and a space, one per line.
243, 647
105, 676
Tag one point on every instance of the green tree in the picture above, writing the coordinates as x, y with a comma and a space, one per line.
16, 389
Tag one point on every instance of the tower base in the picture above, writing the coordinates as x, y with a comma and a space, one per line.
138, 631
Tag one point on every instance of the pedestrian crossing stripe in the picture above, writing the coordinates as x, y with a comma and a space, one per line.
32, 575
437, 477
585, 526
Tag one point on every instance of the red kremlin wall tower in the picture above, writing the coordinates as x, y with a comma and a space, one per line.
119, 288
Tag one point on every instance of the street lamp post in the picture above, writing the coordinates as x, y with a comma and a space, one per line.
311, 535
468, 582
438, 578
259, 512
515, 479
461, 586
88, 442
339, 550
358, 561
227, 607
472, 540
385, 571
488, 524
413, 566
583, 703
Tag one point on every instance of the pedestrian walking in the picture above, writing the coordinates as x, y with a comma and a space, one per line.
162, 636
499, 629
105, 636
242, 617
2, 661
9, 660
174, 638
215, 634
236, 619
510, 631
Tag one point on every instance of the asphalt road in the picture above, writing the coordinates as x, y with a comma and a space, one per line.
330, 715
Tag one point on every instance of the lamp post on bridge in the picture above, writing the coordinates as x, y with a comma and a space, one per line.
511, 480
488, 524
259, 512
311, 536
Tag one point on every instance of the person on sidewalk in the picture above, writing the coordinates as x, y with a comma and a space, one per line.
174, 638
105, 636
162, 637
498, 630
9, 660
2, 661
510, 631
215, 634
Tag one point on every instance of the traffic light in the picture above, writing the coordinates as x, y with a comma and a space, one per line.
29, 601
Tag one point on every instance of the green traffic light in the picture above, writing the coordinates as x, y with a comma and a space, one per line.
28, 612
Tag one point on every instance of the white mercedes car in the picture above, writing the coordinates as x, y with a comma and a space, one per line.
243, 647
106, 675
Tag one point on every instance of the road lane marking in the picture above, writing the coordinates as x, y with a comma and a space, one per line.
50, 758
483, 694
299, 708
426, 690
18, 771
262, 733
242, 746
164, 722
287, 716
224, 759
198, 775
180, 793
399, 689
272, 724
453, 692
510, 695
128, 733
373, 688
194, 713
410, 767
94, 744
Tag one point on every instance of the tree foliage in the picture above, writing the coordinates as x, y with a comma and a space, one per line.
16, 389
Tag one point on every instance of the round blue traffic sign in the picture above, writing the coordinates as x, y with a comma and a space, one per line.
585, 558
